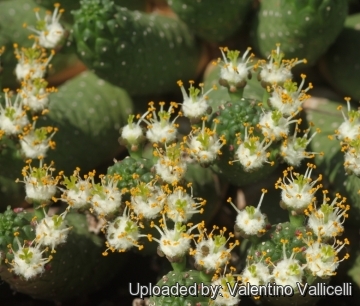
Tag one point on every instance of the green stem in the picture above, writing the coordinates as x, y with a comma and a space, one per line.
205, 277
136, 154
236, 96
179, 266
297, 220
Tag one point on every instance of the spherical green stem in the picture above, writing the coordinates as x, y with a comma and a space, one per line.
179, 266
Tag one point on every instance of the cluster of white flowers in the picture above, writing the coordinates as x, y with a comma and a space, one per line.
33, 94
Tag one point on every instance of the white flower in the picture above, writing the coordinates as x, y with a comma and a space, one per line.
181, 206
13, 117
160, 129
251, 153
147, 200
32, 62
170, 167
288, 98
293, 148
28, 261
256, 274
250, 221
52, 231
173, 243
106, 197
193, 106
35, 95
224, 297
49, 30
211, 252
36, 142
352, 156
132, 134
327, 221
78, 191
298, 190
40, 185
204, 144
122, 234
350, 129
274, 125
288, 271
322, 259
277, 70
235, 71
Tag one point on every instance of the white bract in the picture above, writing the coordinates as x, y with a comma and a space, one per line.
122, 234
349, 130
173, 243
194, 106
288, 98
32, 62
322, 259
40, 185
256, 274
36, 142
274, 125
293, 148
132, 134
78, 191
298, 190
204, 144
181, 206
211, 252
235, 71
250, 221
224, 297
106, 197
171, 167
159, 127
28, 261
52, 231
35, 94
288, 271
147, 200
277, 70
251, 153
327, 221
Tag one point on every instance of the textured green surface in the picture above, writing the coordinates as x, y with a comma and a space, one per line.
341, 63
88, 112
143, 53
185, 278
272, 245
305, 28
76, 269
212, 20
232, 117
